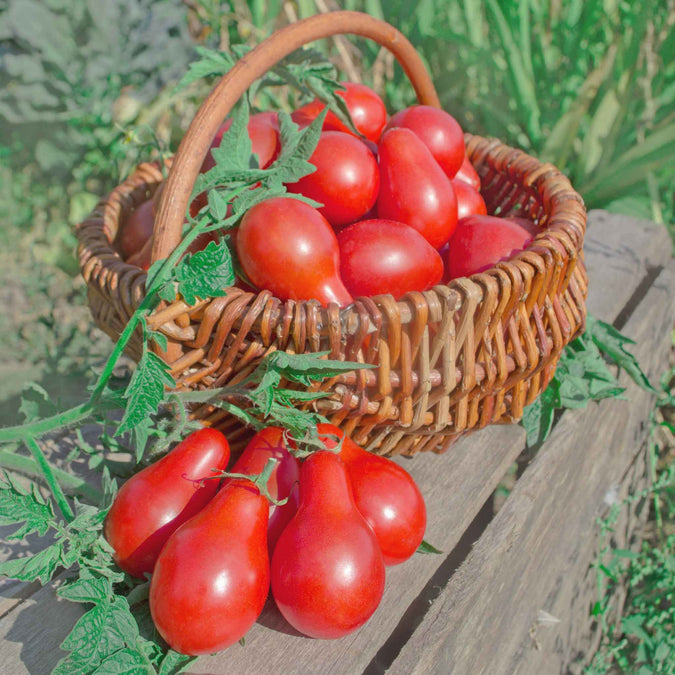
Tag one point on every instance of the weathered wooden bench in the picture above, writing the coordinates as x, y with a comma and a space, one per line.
512, 592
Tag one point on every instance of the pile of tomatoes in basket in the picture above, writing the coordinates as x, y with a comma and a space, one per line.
215, 551
402, 209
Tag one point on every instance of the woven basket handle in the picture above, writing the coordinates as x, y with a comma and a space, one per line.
202, 130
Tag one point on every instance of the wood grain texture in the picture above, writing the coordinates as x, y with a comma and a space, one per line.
455, 487
535, 553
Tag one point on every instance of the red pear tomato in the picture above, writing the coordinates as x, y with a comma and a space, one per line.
270, 443
468, 174
346, 180
327, 568
156, 501
384, 256
212, 577
263, 130
469, 200
386, 496
365, 107
288, 247
413, 188
136, 230
438, 130
480, 242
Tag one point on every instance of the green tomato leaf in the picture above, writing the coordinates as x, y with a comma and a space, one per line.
426, 547
234, 151
613, 343
205, 274
40, 566
212, 63
35, 403
29, 509
174, 663
107, 628
145, 391
538, 416
125, 662
308, 368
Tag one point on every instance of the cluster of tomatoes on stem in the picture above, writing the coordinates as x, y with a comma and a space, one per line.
317, 532
402, 209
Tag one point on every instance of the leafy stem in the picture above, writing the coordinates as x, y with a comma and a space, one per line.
48, 473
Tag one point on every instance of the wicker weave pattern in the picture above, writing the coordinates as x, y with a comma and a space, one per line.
449, 360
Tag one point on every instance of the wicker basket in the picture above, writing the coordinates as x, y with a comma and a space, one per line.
450, 360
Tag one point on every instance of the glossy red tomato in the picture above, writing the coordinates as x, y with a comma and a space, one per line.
156, 501
346, 180
270, 443
288, 247
327, 569
384, 256
212, 576
263, 130
136, 230
469, 200
386, 496
365, 107
413, 188
468, 174
438, 130
480, 242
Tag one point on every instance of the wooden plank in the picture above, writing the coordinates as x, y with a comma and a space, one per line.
455, 486
620, 251
533, 556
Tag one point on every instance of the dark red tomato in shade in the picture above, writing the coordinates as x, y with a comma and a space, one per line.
438, 130
263, 130
327, 569
288, 247
480, 242
385, 256
414, 189
526, 223
365, 107
270, 443
468, 174
346, 180
156, 501
469, 200
142, 258
212, 577
136, 230
386, 496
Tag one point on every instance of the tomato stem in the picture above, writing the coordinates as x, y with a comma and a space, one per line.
48, 473
71, 484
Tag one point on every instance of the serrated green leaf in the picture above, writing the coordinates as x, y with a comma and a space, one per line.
308, 368
18, 505
234, 150
125, 662
140, 434
145, 391
211, 63
426, 547
538, 416
35, 403
87, 589
205, 274
105, 629
173, 663
613, 343
217, 204
40, 566
160, 340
